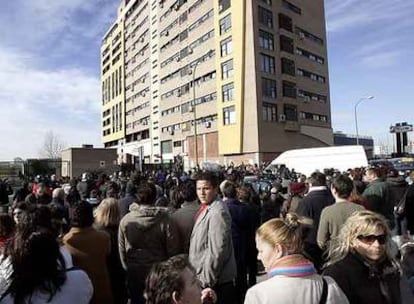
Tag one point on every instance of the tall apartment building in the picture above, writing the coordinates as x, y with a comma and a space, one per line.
249, 78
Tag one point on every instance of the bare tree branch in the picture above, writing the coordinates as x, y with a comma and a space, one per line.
52, 146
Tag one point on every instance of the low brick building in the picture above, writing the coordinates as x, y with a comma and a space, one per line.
75, 161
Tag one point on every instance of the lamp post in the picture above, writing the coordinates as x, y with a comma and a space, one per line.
356, 117
194, 108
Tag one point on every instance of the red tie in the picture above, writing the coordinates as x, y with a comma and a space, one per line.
200, 211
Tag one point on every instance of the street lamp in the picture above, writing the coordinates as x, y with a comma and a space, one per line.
356, 117
209, 53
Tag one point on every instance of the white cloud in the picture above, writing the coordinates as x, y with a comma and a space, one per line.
35, 100
342, 15
381, 59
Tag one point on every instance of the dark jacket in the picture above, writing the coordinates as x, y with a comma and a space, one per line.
115, 269
239, 228
311, 206
398, 185
361, 283
409, 208
272, 206
184, 218
380, 199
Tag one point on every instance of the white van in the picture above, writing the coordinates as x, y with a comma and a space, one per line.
307, 161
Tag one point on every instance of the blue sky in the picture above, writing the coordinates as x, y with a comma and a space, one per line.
49, 68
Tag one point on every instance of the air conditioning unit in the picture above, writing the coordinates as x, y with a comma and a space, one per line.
190, 109
143, 94
142, 53
190, 51
171, 132
166, 33
178, 59
301, 35
282, 117
208, 124
177, 7
142, 39
306, 98
178, 93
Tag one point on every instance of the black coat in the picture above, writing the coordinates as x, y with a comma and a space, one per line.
362, 283
311, 206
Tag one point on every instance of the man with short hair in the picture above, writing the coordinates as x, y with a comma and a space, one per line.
318, 197
240, 226
146, 235
379, 195
211, 248
334, 216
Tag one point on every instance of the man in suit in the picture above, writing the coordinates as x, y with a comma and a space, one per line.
211, 248
311, 206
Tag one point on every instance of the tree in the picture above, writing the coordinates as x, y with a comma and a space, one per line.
52, 146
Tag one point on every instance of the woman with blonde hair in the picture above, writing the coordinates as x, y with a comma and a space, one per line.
292, 277
361, 263
107, 219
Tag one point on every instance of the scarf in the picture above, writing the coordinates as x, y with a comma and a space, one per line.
294, 265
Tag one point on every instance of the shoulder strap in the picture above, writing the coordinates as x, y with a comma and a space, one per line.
403, 198
324, 295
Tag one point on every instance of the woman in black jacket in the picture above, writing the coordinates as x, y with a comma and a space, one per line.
361, 263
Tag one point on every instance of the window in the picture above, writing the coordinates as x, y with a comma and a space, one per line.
265, 17
310, 55
228, 92
267, 64
290, 112
229, 115
269, 88
225, 24
285, 22
177, 144
288, 66
224, 5
166, 146
290, 6
289, 89
227, 69
269, 112
286, 44
226, 47
266, 40
268, 2
305, 34
310, 75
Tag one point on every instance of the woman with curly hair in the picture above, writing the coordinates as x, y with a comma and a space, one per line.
361, 263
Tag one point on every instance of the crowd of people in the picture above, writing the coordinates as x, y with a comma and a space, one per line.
196, 237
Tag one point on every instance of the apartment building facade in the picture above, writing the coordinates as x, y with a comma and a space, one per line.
248, 79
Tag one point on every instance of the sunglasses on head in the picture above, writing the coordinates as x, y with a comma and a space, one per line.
370, 239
